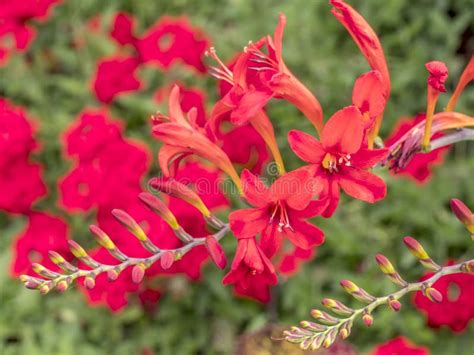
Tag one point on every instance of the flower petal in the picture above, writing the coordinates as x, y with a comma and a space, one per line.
369, 93
306, 147
248, 222
250, 103
304, 235
296, 188
344, 131
362, 185
255, 191
368, 158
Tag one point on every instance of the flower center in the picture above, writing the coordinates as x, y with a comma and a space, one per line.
280, 211
332, 163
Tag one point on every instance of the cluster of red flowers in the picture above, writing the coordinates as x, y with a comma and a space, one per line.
21, 183
168, 41
399, 346
14, 27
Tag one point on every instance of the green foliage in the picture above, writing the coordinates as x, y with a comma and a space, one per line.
52, 80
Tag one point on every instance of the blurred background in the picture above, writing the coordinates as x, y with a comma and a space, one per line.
53, 80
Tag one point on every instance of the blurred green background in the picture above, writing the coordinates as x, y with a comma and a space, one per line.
52, 80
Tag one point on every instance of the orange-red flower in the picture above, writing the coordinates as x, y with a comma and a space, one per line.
279, 211
369, 95
341, 159
400, 346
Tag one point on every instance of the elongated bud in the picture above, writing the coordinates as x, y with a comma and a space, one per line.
433, 294
394, 304
89, 282
112, 275
81, 254
317, 342
345, 329
31, 282
128, 222
41, 270
104, 240
337, 307
419, 252
138, 272
324, 317
176, 189
216, 252
367, 319
388, 269
355, 291
159, 207
330, 337
464, 214
467, 267
167, 259
314, 327
58, 260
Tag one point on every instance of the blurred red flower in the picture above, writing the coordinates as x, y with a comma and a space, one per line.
14, 16
21, 183
114, 76
171, 40
399, 346
43, 233
456, 309
421, 166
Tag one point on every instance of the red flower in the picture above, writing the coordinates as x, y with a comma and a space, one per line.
456, 309
438, 75
251, 270
279, 211
13, 17
365, 38
421, 165
20, 180
256, 77
399, 346
115, 76
44, 232
341, 159
290, 262
183, 136
92, 130
171, 40
122, 30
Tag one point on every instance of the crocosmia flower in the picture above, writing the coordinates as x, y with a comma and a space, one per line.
279, 211
399, 346
438, 75
251, 270
341, 159
456, 309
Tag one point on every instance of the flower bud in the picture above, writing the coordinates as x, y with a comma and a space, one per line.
112, 275
388, 269
102, 238
337, 307
394, 304
216, 252
128, 222
324, 317
314, 327
159, 207
176, 189
138, 272
419, 252
89, 282
58, 260
44, 289
433, 294
76, 249
41, 270
356, 292
62, 286
345, 329
367, 319
167, 259
463, 213
330, 337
